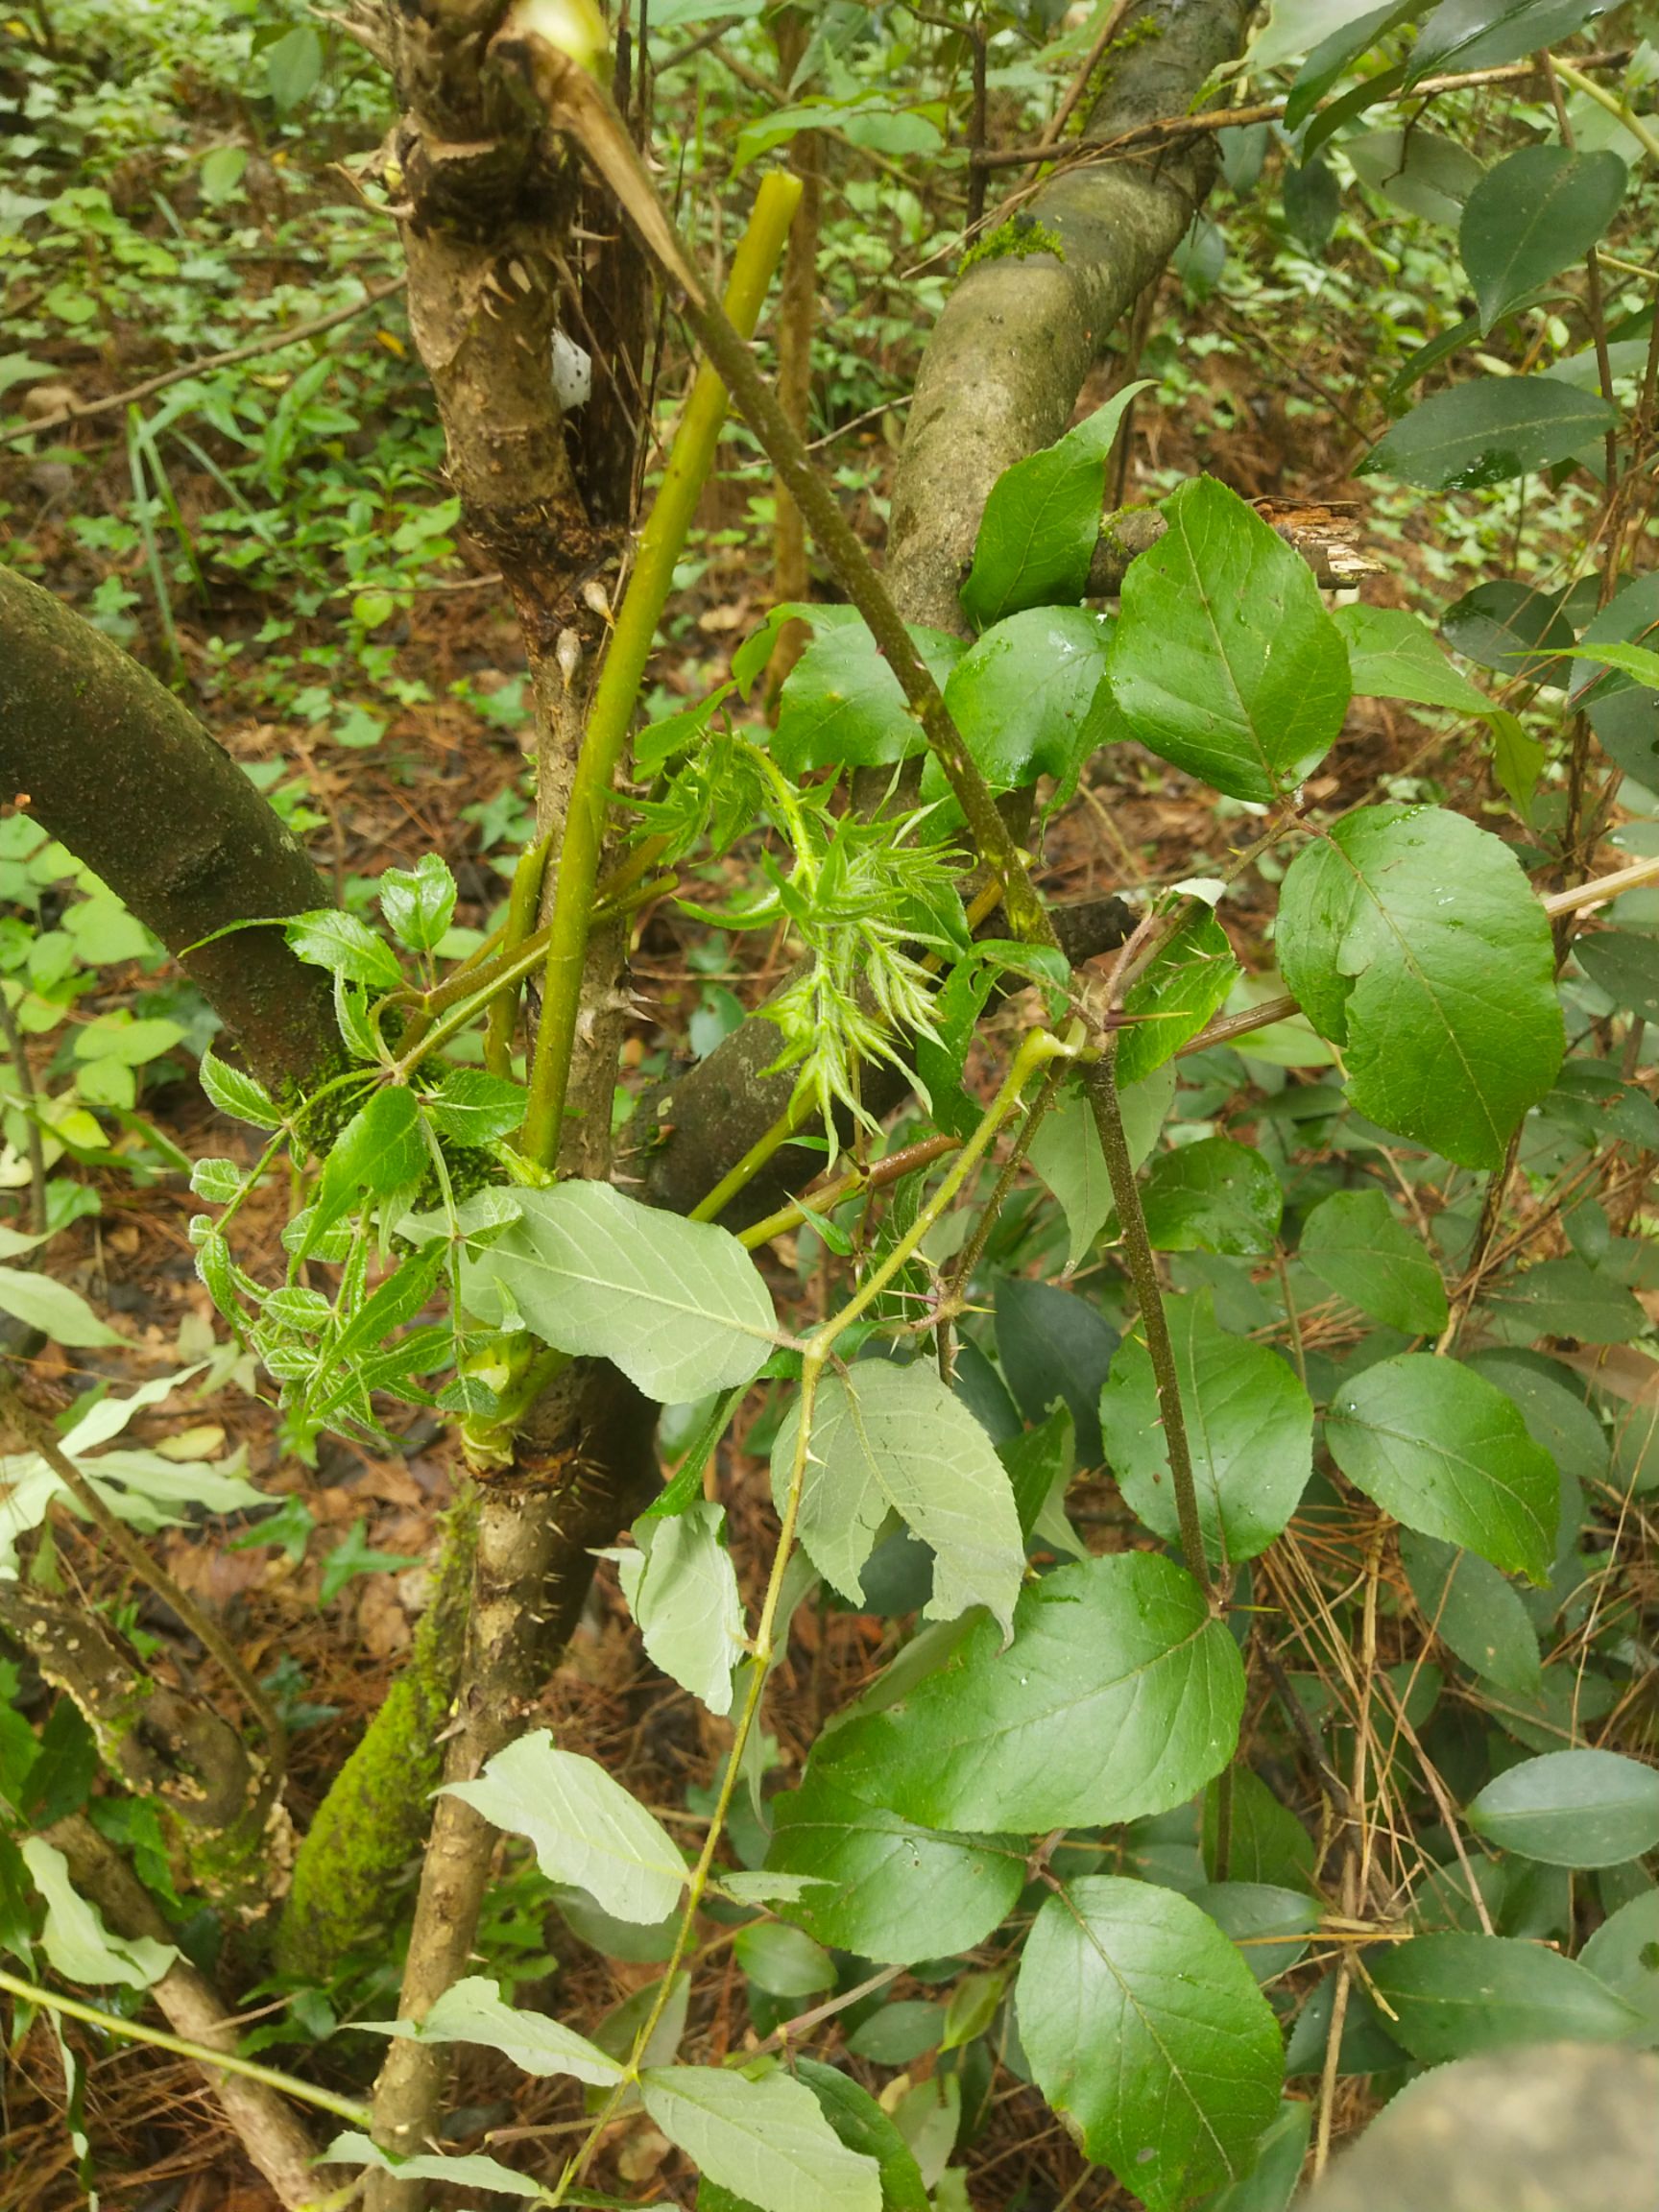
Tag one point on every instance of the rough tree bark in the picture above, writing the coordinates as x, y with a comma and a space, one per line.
1021, 330
120, 771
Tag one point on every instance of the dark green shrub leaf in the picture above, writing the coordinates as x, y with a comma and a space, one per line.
1572, 1809
1145, 2028
841, 705
1355, 1246
381, 1149
1333, 56
1623, 1953
473, 1107
1412, 937
1393, 655
1625, 713
899, 1892
1624, 963
1249, 1423
1030, 699
1564, 1298
1313, 203
863, 2126
1212, 1196
1417, 169
1487, 430
1042, 523
1473, 1611
1267, 1842
784, 1961
1444, 1451
1485, 33
1188, 982
1118, 1697
1536, 213
1514, 628
1224, 660
1455, 1994
1270, 1926
1054, 1345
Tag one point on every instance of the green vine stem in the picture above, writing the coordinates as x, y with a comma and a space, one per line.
1102, 1084
202, 2053
578, 104
522, 902
1038, 1049
756, 257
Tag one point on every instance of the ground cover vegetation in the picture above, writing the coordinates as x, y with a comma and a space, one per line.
831, 861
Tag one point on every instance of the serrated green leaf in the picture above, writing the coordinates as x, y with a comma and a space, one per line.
1118, 1697
1412, 937
1531, 216
1394, 655
419, 903
1224, 660
1354, 1243
473, 1107
1042, 523
895, 1439
682, 1589
768, 2141
1451, 1995
899, 1893
380, 1150
1143, 2026
236, 1093
1188, 982
345, 946
1572, 1809
1212, 1196
1249, 1426
679, 1306
586, 1828
1444, 1451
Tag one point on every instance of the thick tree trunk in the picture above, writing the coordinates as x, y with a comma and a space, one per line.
118, 769
1008, 355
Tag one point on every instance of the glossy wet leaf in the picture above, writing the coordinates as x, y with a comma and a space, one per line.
1487, 430
1224, 660
1188, 982
1486, 34
1444, 1451
1028, 699
1145, 2028
841, 705
1413, 938
1212, 1196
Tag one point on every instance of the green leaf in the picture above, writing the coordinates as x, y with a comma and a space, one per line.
1564, 1298
1471, 1609
1312, 200
1146, 2029
1488, 430
1042, 523
1065, 1153
1393, 655
1444, 1451
345, 946
1267, 1844
682, 1589
129, 1042
1118, 1697
768, 2141
899, 2034
1518, 760
1188, 982
1212, 1196
1331, 59
1451, 1995
1512, 626
1279, 2155
1054, 1345
237, 1094
1224, 660
1553, 1407
1354, 1243
1040, 1464
863, 2126
679, 1306
586, 1828
1249, 1425
1572, 1809
1414, 939
1270, 1926
1485, 33
381, 1149
473, 2170
841, 705
1624, 709
75, 1938
895, 1439
784, 1961
1624, 963
900, 1892
419, 903
1030, 699
475, 1108
470, 2010
1532, 216
41, 1302
1623, 1953
293, 67
1416, 169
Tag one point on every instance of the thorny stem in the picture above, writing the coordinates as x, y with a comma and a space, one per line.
579, 105
202, 2053
522, 904
1038, 1049
764, 1147
631, 642
857, 1180
1102, 1090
